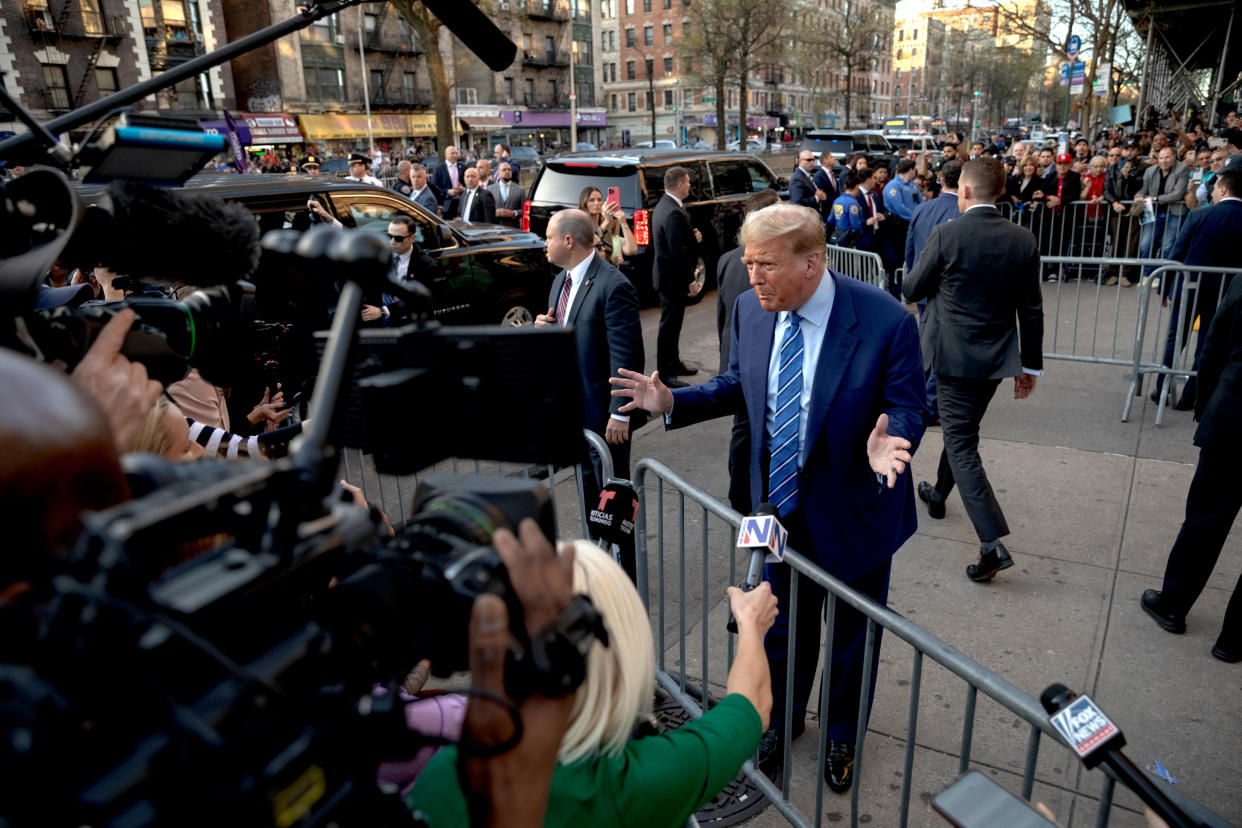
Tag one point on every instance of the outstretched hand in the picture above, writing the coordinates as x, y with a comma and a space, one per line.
647, 393
1023, 386
887, 453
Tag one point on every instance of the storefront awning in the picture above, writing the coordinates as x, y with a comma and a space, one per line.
271, 127
483, 123
383, 125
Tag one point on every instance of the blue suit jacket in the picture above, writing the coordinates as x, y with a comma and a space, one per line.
1208, 237
927, 215
802, 190
869, 363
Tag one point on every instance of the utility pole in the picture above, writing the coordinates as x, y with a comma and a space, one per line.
366, 94
651, 95
573, 91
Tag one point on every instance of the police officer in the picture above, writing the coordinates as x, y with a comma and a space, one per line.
901, 196
358, 166
311, 165
847, 215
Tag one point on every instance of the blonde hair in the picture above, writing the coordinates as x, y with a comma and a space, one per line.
620, 678
802, 225
153, 437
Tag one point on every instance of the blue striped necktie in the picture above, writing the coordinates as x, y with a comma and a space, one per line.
783, 466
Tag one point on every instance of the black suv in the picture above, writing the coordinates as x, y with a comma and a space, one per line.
720, 182
489, 274
842, 142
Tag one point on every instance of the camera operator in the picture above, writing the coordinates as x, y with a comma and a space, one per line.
602, 772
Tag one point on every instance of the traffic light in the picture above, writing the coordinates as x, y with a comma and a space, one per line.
978, 93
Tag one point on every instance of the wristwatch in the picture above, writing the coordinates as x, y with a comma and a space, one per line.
384, 311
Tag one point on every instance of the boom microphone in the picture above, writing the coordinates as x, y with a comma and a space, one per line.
1096, 739
762, 534
473, 28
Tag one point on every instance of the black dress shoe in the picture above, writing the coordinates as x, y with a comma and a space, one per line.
989, 564
935, 503
1184, 404
684, 370
1226, 653
771, 755
839, 766
673, 382
1154, 396
1167, 620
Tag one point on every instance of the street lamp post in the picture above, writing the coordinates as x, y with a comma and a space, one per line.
573, 91
366, 94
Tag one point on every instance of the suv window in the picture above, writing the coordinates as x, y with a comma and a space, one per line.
564, 185
372, 213
654, 179
760, 179
730, 178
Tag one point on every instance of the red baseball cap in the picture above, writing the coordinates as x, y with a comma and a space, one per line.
1065, 158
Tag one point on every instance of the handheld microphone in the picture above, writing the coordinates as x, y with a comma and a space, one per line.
1097, 740
762, 534
612, 520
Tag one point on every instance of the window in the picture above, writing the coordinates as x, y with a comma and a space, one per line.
92, 20
668, 32
552, 92
668, 99
629, 6
629, 70
105, 79
668, 4
685, 30
648, 39
668, 67
729, 178
646, 6
56, 82
323, 30
376, 81
549, 47
370, 21
374, 217
630, 101
629, 37
191, 93
614, 103
175, 24
508, 89
688, 63
530, 90
324, 83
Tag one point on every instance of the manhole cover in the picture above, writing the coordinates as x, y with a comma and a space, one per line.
739, 801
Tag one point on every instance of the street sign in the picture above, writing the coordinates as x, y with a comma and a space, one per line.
1080, 73
709, 99
1073, 47
1103, 74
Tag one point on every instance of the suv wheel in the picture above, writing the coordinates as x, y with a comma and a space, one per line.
517, 316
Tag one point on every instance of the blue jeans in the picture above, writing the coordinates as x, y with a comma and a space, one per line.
1156, 239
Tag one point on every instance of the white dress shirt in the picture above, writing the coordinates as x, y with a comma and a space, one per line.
469, 196
403, 263
814, 314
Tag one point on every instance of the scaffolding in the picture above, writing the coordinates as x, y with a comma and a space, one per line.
1188, 61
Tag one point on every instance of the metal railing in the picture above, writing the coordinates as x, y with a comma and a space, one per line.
862, 265
1192, 301
694, 693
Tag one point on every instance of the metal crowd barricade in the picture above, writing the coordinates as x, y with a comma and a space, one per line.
693, 693
1171, 354
394, 493
862, 265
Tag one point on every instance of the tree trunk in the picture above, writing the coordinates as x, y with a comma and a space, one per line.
428, 31
720, 109
743, 74
849, 92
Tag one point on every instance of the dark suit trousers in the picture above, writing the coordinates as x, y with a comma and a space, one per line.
849, 639
668, 335
739, 465
962, 404
1212, 505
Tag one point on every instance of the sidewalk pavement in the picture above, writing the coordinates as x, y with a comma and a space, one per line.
1094, 505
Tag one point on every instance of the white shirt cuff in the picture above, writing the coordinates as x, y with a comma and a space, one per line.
1032, 372
621, 418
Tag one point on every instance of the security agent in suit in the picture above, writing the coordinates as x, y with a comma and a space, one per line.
830, 458
602, 306
977, 272
421, 192
475, 204
1214, 498
508, 196
672, 270
802, 188
450, 176
872, 210
1209, 238
733, 280
826, 180
408, 262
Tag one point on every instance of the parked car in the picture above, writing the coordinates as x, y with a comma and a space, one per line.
488, 274
720, 183
751, 146
337, 167
661, 144
918, 144
527, 158
699, 145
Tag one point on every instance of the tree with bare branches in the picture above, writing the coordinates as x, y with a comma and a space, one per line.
851, 40
426, 27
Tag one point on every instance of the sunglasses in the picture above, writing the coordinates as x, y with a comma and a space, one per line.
398, 238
